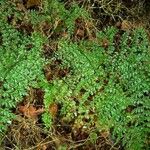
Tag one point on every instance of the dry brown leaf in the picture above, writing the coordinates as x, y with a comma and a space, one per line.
30, 111
105, 133
32, 3
126, 25
80, 33
53, 109
42, 147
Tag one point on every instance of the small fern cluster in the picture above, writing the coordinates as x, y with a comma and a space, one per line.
68, 16
109, 84
20, 51
21, 64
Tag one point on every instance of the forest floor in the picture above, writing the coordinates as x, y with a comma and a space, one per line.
27, 130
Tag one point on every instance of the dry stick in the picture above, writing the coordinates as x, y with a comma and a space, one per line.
55, 26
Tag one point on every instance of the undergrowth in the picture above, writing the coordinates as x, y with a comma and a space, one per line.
99, 83
21, 64
105, 85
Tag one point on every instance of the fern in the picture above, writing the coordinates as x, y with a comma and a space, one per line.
107, 81
68, 17
19, 67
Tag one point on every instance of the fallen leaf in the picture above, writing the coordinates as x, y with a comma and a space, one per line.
53, 109
32, 3
30, 111
105, 133
80, 33
126, 25
42, 147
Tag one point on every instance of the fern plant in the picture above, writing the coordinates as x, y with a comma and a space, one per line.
107, 86
20, 53
68, 16
109, 83
21, 64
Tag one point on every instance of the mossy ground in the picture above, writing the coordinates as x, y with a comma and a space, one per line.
27, 131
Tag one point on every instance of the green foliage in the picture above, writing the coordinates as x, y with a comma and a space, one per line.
21, 64
20, 52
107, 85
111, 82
68, 16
